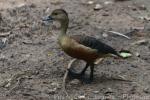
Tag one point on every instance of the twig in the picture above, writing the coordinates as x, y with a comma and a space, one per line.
16, 84
120, 78
5, 34
65, 76
143, 41
119, 34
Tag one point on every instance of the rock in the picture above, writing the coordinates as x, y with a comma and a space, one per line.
56, 2
51, 91
55, 84
3, 43
105, 14
98, 7
108, 2
47, 10
142, 7
90, 2
147, 28
21, 5
75, 82
137, 54
81, 97
147, 18
105, 35
108, 91
133, 8
95, 92
147, 90
32, 5
25, 58
2, 57
4, 40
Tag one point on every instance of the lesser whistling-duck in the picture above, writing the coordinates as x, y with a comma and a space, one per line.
81, 47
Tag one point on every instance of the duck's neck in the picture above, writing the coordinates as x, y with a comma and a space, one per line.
63, 29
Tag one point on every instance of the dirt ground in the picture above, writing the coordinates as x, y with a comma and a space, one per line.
32, 65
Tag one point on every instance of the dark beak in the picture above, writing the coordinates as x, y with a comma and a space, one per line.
47, 18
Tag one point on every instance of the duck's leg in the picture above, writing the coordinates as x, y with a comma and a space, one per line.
73, 74
84, 69
89, 79
92, 72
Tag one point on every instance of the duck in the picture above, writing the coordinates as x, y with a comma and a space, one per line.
82, 47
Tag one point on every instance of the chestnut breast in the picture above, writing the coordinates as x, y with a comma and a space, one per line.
77, 50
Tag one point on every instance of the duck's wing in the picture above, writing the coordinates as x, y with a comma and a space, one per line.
94, 44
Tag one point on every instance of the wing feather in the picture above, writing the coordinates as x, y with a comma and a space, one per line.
93, 43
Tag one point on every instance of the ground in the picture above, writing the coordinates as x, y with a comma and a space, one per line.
32, 65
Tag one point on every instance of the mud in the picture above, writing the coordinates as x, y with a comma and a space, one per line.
32, 65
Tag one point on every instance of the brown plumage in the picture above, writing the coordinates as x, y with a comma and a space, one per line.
81, 47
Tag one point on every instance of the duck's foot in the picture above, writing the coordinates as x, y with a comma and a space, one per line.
85, 79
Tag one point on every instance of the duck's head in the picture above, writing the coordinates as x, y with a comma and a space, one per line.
57, 15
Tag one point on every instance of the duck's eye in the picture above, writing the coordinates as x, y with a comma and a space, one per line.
55, 13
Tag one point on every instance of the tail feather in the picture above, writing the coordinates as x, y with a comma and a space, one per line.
124, 54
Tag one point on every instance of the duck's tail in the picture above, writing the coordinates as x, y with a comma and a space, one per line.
124, 54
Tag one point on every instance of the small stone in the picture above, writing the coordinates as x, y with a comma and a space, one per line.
147, 90
105, 35
2, 57
90, 2
105, 14
26, 41
134, 66
142, 7
141, 17
8, 83
32, 5
75, 82
137, 54
108, 2
3, 43
133, 8
147, 18
98, 7
146, 27
95, 92
21, 5
137, 28
82, 97
55, 84
4, 40
25, 94
47, 10
51, 91
109, 90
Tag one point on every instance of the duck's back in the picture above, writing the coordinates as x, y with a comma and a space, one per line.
85, 47
94, 43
